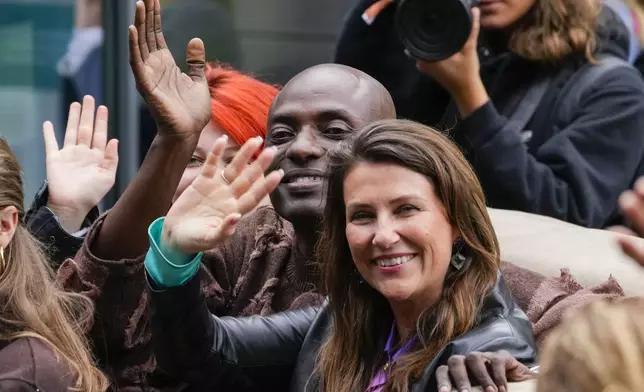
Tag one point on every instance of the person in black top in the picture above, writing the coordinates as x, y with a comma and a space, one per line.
583, 143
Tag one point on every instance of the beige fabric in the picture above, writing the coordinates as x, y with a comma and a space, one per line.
546, 245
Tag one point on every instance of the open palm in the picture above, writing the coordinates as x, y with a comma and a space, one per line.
179, 102
206, 212
84, 170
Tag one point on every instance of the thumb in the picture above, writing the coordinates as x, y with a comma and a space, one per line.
476, 27
217, 235
111, 157
196, 60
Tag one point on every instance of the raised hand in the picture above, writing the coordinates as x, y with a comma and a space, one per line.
84, 170
179, 102
207, 211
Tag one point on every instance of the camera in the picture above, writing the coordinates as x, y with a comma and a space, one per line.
434, 30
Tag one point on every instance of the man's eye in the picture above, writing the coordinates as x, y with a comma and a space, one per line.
280, 135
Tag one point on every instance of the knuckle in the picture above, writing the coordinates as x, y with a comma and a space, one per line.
455, 360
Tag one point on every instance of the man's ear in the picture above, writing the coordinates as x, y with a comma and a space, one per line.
8, 225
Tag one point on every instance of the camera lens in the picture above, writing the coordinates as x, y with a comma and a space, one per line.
434, 30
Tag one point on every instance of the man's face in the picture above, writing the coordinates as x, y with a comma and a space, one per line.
314, 113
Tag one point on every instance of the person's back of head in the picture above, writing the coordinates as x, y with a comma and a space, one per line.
598, 349
240, 103
33, 306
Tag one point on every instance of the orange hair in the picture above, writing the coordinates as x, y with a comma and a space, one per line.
240, 103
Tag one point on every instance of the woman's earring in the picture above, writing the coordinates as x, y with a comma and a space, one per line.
358, 276
2, 262
459, 259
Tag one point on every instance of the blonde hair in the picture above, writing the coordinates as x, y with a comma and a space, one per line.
361, 317
598, 349
32, 305
554, 29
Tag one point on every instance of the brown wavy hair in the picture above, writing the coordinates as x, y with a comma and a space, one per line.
554, 29
32, 305
360, 316
600, 348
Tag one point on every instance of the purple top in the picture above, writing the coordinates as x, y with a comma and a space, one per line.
379, 381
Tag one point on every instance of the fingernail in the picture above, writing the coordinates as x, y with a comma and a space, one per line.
224, 137
639, 186
444, 389
465, 390
272, 148
281, 172
627, 200
490, 389
261, 139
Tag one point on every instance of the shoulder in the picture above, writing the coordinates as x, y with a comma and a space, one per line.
28, 364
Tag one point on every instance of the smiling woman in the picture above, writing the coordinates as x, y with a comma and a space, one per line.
410, 264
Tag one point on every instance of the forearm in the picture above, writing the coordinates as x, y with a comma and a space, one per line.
149, 196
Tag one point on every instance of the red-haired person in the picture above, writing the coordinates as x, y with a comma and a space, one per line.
240, 107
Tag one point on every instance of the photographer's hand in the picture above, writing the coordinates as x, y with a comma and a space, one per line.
459, 74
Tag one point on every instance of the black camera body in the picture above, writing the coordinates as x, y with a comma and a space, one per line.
434, 30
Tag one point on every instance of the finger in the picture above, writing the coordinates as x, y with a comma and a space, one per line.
111, 157
158, 31
140, 30
209, 168
458, 372
242, 157
253, 172
442, 379
632, 248
51, 145
229, 224
86, 125
621, 230
638, 187
260, 189
136, 62
476, 27
477, 366
196, 60
499, 367
632, 207
150, 34
99, 140
71, 133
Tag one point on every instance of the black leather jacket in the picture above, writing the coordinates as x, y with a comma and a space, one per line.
277, 352
43, 224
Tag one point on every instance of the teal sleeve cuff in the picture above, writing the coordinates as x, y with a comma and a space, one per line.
166, 266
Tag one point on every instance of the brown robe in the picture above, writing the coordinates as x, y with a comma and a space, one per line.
256, 271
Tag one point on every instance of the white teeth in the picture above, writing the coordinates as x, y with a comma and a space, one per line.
306, 179
394, 261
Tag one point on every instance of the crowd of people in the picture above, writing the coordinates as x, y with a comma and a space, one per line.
334, 234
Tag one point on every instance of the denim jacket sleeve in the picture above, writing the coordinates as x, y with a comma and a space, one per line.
43, 224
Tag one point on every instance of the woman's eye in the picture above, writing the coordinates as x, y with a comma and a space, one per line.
360, 217
407, 208
195, 162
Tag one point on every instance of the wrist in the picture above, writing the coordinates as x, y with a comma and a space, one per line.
70, 218
470, 97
